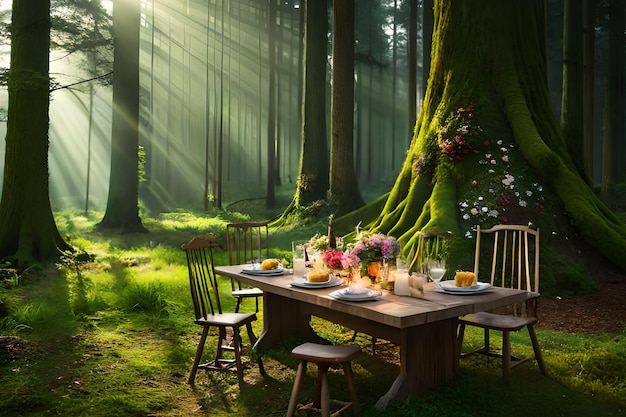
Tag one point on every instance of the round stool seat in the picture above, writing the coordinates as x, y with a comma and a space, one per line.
324, 356
316, 353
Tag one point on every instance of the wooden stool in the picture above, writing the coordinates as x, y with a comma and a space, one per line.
324, 356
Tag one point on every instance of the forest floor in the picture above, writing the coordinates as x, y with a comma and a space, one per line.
601, 312
136, 360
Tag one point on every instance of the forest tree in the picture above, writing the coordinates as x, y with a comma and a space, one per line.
312, 181
487, 146
122, 210
343, 190
27, 228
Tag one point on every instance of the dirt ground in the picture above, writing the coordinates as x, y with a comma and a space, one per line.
603, 311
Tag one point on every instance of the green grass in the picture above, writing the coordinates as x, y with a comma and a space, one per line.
128, 352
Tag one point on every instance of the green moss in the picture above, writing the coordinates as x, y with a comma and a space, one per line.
365, 215
443, 203
595, 223
561, 276
411, 209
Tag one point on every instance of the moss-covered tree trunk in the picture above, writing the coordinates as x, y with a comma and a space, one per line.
27, 228
487, 147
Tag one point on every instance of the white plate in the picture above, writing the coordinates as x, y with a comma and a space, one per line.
303, 283
346, 295
450, 287
269, 272
318, 283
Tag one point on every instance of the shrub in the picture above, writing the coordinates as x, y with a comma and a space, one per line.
145, 297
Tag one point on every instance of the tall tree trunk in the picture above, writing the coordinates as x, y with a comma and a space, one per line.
369, 91
343, 189
393, 84
427, 37
492, 76
122, 210
219, 140
270, 199
412, 58
261, 104
27, 229
312, 182
206, 170
589, 20
279, 62
359, 101
572, 99
613, 141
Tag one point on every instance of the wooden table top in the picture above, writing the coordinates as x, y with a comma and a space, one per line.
390, 309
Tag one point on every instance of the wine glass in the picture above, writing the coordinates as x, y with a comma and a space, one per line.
436, 270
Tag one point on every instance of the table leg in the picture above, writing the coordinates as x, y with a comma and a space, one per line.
284, 318
428, 359
428, 352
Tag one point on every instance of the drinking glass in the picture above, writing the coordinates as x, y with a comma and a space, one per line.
436, 270
402, 264
299, 265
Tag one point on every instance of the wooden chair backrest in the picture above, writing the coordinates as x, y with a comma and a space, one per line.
202, 279
247, 241
514, 256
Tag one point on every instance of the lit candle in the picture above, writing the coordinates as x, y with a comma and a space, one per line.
401, 286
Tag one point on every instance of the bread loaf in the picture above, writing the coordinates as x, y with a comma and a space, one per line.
318, 276
269, 264
464, 279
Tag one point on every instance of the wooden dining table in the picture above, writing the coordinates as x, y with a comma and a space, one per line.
423, 326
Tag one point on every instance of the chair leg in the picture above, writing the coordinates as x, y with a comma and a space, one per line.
324, 391
219, 351
251, 334
253, 340
295, 391
373, 341
538, 356
259, 363
238, 304
347, 370
317, 395
198, 357
487, 344
237, 348
459, 340
506, 355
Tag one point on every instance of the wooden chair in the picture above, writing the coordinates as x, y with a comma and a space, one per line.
208, 312
514, 263
246, 242
324, 356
